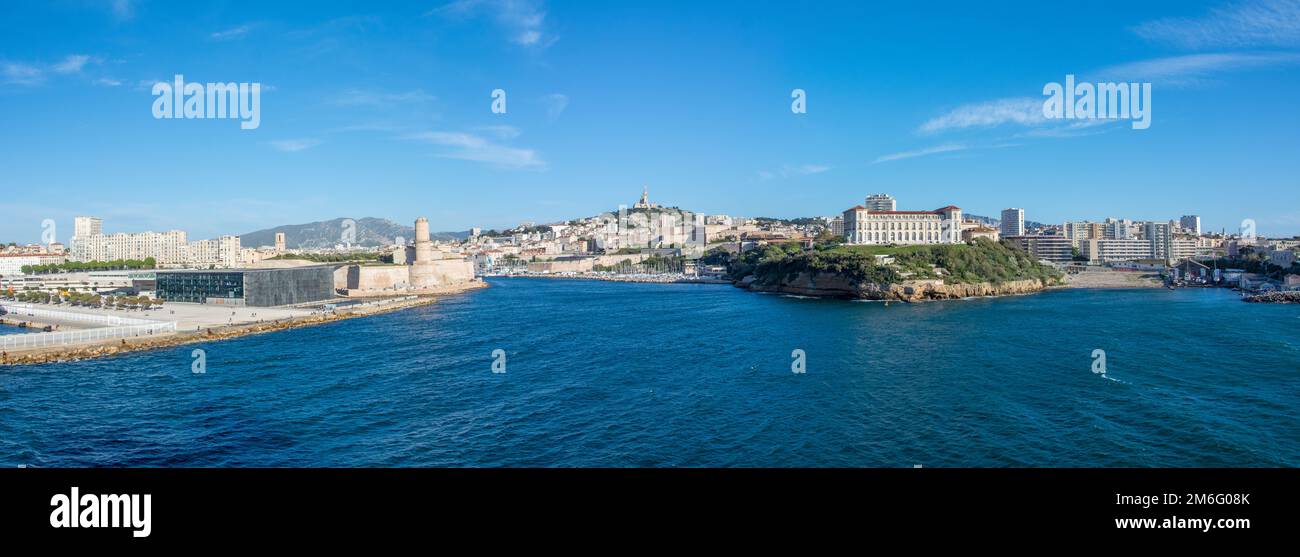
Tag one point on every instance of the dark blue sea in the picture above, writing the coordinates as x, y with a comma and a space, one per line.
618, 374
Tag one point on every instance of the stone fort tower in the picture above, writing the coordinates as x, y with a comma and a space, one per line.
422, 269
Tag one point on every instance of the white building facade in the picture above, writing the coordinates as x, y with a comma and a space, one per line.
168, 249
863, 225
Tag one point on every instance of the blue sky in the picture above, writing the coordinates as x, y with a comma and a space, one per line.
384, 109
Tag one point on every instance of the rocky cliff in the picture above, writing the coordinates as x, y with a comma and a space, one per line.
837, 286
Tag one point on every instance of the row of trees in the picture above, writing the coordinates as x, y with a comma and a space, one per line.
82, 266
85, 299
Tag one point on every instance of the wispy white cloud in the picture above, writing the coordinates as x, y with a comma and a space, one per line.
470, 147
1246, 24
1194, 68
21, 74
945, 148
108, 82
1024, 111
72, 64
555, 105
524, 21
295, 145
232, 33
24, 73
790, 170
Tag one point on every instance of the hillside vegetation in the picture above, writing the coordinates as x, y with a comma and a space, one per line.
982, 261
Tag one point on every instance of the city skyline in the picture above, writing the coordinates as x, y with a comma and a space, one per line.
698, 109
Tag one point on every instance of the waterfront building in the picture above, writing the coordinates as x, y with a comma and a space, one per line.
1193, 271
1101, 250
247, 287
863, 225
100, 282
1049, 248
1013, 222
881, 202
1105, 250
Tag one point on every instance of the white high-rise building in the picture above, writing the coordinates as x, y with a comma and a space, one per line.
87, 226
1013, 222
1118, 229
1161, 236
881, 202
1191, 223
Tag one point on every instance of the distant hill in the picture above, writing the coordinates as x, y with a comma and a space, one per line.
370, 232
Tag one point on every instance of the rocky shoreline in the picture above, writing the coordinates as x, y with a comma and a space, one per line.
1290, 297
835, 286
78, 352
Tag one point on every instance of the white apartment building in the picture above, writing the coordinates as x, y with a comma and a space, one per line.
1113, 250
218, 252
881, 202
168, 249
1161, 236
1118, 229
1013, 222
1079, 232
87, 226
863, 225
12, 264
